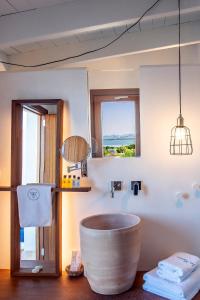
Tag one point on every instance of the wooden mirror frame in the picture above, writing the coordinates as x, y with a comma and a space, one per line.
16, 178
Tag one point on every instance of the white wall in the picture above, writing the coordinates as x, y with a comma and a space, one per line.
166, 228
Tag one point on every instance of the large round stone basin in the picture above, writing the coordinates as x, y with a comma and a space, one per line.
110, 247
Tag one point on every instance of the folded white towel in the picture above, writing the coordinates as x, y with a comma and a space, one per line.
171, 276
182, 289
35, 205
180, 264
163, 293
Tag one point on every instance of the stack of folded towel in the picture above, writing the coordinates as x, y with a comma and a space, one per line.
175, 278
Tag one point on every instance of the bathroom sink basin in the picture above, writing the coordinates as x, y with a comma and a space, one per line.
110, 246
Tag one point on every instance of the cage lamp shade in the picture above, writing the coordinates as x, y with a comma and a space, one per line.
180, 142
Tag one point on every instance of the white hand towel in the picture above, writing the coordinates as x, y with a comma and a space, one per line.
182, 289
171, 276
180, 263
163, 293
35, 205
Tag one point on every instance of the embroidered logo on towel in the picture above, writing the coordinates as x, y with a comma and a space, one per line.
33, 194
187, 261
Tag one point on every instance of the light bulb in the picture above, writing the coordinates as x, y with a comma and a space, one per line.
180, 133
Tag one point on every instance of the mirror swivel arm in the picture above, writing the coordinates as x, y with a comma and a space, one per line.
79, 166
73, 168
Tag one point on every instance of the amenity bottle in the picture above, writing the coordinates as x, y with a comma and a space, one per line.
74, 181
69, 182
64, 181
78, 182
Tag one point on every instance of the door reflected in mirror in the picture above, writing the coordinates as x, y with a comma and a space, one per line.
38, 166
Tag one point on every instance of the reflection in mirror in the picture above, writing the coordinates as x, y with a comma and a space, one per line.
75, 149
38, 166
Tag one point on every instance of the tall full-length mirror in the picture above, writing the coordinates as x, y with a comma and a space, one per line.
36, 140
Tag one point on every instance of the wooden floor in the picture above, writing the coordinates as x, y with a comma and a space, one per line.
63, 289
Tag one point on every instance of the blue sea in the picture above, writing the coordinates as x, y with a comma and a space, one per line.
118, 142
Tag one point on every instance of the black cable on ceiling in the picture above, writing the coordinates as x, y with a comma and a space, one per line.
18, 12
89, 51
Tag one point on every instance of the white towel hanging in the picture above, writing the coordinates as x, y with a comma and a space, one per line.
35, 205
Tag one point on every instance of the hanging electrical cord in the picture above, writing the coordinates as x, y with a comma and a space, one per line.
89, 51
179, 55
180, 140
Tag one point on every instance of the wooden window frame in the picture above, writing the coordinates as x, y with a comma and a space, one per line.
108, 95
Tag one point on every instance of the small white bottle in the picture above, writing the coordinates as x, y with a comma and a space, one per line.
78, 180
75, 261
74, 181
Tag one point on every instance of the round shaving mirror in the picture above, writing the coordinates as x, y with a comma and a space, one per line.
75, 149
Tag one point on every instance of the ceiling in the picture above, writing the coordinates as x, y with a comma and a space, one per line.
60, 28
102, 34
12, 6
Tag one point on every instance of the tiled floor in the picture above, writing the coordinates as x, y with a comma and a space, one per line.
63, 288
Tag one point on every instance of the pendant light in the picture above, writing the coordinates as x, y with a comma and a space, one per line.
180, 142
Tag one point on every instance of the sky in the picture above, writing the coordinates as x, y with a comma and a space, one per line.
118, 117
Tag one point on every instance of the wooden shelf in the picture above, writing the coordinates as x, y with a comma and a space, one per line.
81, 189
7, 189
75, 190
57, 190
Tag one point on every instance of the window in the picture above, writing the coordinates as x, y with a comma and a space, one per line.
115, 126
